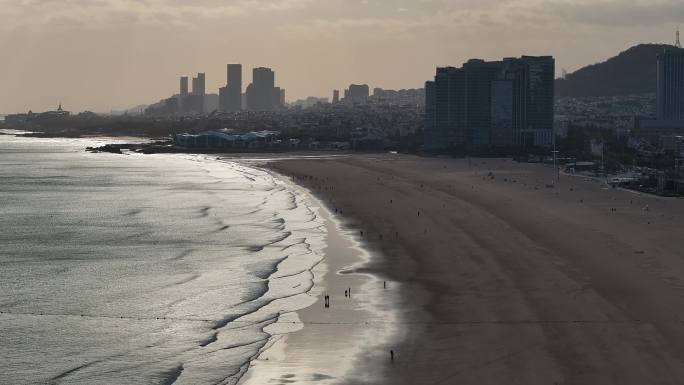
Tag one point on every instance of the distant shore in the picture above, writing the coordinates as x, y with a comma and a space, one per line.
506, 281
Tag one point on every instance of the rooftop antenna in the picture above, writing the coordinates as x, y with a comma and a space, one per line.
677, 43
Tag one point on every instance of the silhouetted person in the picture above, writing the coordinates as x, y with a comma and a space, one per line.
345, 294
392, 355
384, 284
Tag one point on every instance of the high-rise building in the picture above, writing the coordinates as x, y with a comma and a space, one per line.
490, 104
479, 76
262, 95
230, 96
430, 136
198, 84
182, 94
336, 96
183, 86
445, 110
234, 75
670, 85
194, 102
276, 97
357, 93
533, 99
501, 112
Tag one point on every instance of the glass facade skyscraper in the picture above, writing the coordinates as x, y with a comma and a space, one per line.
670, 88
499, 104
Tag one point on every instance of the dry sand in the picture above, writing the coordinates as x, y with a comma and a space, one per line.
505, 281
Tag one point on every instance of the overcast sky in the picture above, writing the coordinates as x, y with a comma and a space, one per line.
112, 54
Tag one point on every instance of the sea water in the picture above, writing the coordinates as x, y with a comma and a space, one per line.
144, 269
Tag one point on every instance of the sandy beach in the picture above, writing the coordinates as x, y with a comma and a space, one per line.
498, 279
330, 341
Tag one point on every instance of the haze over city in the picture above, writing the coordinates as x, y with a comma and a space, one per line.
114, 54
250, 192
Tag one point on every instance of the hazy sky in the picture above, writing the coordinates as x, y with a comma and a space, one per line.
111, 54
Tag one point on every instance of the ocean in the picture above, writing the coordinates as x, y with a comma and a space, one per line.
144, 269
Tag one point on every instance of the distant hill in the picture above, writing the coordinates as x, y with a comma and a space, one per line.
631, 72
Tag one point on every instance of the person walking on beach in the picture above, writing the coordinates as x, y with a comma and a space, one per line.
349, 291
391, 355
345, 294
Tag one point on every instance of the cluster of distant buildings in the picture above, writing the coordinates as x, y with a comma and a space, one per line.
39, 117
260, 95
263, 95
615, 113
359, 94
487, 105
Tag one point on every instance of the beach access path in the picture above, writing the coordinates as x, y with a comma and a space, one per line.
503, 280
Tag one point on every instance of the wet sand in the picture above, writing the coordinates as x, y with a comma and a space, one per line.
502, 280
329, 342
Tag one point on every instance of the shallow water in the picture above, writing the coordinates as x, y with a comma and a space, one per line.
140, 269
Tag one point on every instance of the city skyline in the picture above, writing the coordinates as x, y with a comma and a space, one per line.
113, 55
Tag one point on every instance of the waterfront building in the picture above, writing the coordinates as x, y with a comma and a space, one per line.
670, 85
533, 101
485, 105
336, 96
445, 110
430, 137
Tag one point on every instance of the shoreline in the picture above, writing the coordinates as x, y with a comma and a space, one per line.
322, 350
505, 281
495, 279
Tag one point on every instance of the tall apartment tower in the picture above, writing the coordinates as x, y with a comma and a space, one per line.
261, 93
198, 84
429, 135
486, 105
533, 99
194, 102
336, 96
445, 110
357, 93
670, 84
183, 86
230, 96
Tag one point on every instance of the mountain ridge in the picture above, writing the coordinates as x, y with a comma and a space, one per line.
631, 72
